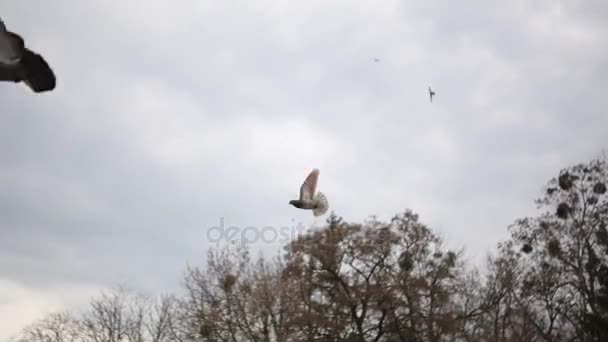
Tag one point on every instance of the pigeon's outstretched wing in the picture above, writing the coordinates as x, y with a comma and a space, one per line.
308, 188
20, 64
33, 70
37, 73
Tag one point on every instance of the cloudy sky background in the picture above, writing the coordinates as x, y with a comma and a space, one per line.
169, 116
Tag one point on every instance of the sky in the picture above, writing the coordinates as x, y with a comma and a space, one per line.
170, 118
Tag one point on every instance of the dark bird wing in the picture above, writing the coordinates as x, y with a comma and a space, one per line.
23, 64
308, 188
33, 70
9, 73
36, 72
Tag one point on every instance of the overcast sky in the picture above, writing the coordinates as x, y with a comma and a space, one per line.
171, 115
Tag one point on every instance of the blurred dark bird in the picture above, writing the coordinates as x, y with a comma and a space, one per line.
308, 199
431, 93
376, 60
20, 64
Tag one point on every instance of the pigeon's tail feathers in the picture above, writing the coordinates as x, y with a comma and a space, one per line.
321, 204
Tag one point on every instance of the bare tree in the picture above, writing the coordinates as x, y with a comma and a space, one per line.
562, 248
212, 305
106, 320
56, 327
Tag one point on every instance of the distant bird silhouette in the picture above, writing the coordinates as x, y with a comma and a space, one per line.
376, 60
308, 199
431, 93
20, 64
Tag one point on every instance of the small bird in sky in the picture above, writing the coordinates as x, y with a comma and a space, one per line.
308, 199
376, 60
20, 64
431, 93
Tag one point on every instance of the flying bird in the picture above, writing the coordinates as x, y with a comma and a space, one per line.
431, 93
376, 60
308, 199
20, 64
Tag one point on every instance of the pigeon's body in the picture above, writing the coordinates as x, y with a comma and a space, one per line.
11, 47
318, 204
309, 200
431, 93
20, 64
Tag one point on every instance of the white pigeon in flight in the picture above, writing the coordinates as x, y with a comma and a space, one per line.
20, 64
308, 199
